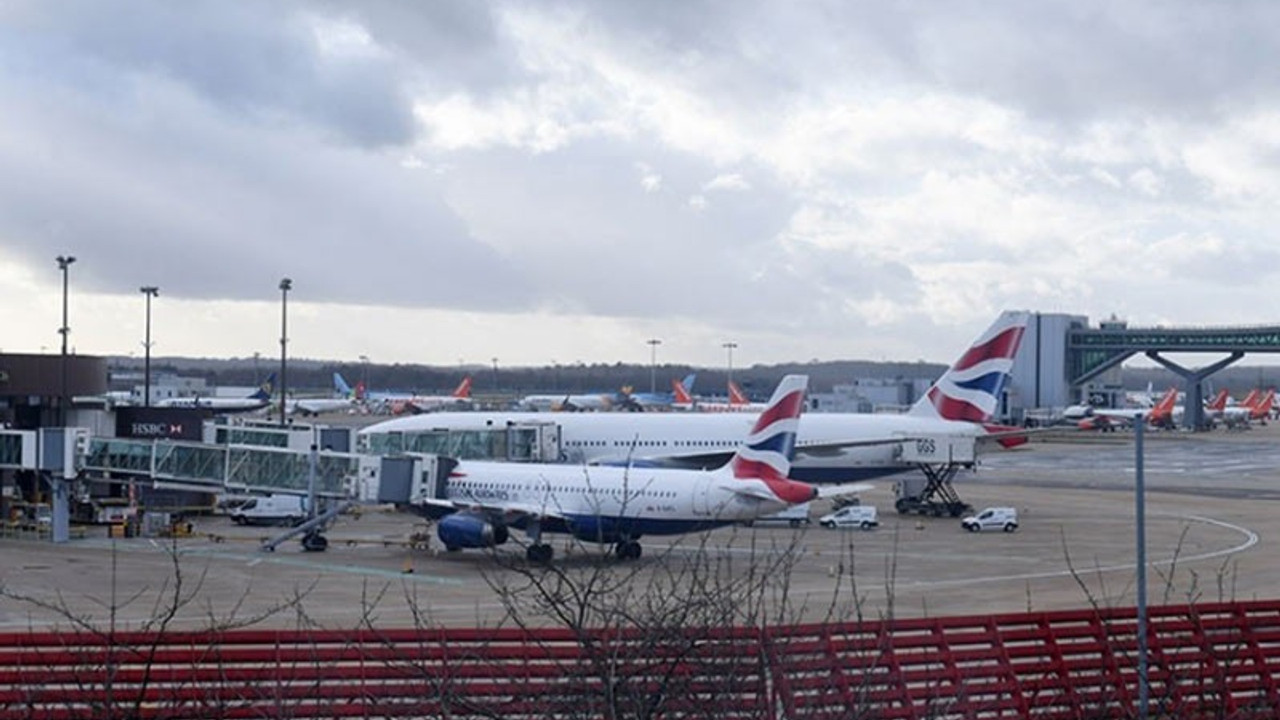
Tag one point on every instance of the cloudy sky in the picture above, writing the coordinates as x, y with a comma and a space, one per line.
455, 181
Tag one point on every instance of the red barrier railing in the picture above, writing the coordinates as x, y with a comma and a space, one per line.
1212, 660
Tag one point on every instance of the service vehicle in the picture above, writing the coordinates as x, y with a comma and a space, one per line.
851, 516
993, 518
795, 516
277, 509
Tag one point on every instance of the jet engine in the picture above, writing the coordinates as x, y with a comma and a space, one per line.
463, 530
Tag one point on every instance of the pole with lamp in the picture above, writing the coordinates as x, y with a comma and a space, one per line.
150, 291
64, 262
653, 364
285, 286
729, 347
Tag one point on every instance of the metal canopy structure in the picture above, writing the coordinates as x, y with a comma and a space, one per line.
1093, 351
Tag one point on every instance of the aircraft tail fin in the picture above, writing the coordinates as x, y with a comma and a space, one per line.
736, 396
463, 391
687, 383
1263, 407
1251, 399
970, 390
680, 392
341, 387
265, 390
1219, 402
768, 450
1163, 411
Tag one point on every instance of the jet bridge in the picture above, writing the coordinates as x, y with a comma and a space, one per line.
218, 468
536, 441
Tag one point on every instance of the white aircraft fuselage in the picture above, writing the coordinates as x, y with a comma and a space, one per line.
693, 440
613, 501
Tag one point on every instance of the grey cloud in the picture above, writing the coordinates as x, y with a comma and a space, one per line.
210, 211
453, 46
256, 59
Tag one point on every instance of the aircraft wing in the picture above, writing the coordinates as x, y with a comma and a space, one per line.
507, 510
826, 491
833, 448
700, 461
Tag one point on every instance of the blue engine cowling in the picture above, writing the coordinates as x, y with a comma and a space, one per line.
462, 530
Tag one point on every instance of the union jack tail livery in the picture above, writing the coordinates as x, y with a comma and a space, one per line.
970, 390
767, 452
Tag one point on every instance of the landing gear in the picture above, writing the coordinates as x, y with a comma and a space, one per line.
315, 542
627, 550
539, 553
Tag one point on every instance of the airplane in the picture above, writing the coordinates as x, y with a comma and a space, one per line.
411, 403
619, 505
568, 402
344, 398
738, 402
1106, 419
656, 400
832, 447
1255, 406
256, 400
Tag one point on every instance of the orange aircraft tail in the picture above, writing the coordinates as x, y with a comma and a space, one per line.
1162, 413
1262, 409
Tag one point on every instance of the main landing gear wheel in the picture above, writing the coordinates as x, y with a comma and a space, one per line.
540, 553
314, 542
627, 550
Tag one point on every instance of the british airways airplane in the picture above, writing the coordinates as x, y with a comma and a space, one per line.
614, 505
831, 447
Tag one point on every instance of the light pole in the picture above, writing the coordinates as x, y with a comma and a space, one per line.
150, 291
285, 286
653, 364
364, 372
729, 346
495, 375
64, 262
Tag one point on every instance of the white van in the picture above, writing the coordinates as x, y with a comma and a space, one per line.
271, 510
794, 515
850, 516
996, 518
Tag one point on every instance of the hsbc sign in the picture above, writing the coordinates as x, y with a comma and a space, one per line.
159, 423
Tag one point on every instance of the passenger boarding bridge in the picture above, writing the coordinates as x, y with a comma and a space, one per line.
254, 458
1091, 352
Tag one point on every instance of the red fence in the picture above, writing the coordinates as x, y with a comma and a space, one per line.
1218, 660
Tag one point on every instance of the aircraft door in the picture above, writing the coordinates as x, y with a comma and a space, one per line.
702, 496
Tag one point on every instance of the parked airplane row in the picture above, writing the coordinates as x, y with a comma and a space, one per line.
688, 472
1257, 406
831, 447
